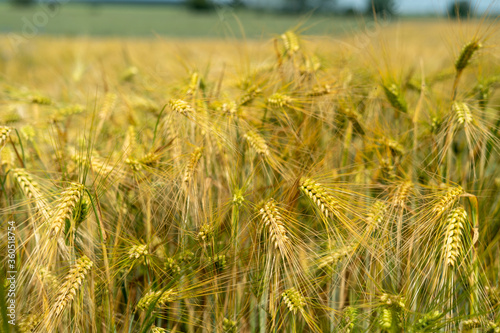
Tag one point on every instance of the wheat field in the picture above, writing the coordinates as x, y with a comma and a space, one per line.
294, 184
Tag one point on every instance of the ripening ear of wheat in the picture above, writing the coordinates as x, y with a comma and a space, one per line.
249, 95
455, 224
395, 97
278, 100
402, 193
65, 206
462, 111
229, 326
446, 201
180, 106
192, 164
71, 285
320, 196
4, 134
385, 319
291, 42
31, 189
258, 143
274, 222
293, 300
158, 298
28, 323
156, 329
466, 54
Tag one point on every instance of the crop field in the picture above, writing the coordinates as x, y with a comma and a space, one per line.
295, 183
172, 21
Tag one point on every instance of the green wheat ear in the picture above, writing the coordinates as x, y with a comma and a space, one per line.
291, 42
294, 300
4, 134
229, 326
385, 319
28, 323
156, 329
466, 54
395, 97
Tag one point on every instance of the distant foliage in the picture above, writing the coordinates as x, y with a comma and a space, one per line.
22, 2
460, 9
200, 5
381, 7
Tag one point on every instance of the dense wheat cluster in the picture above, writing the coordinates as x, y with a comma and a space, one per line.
295, 185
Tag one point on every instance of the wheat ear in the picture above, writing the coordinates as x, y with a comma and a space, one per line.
448, 199
466, 54
4, 134
180, 106
257, 142
320, 196
274, 222
193, 163
64, 209
293, 300
72, 283
159, 298
453, 235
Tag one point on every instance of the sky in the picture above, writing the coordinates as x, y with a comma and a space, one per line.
426, 6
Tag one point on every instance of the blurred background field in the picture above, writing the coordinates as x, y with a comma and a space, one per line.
174, 21
200, 18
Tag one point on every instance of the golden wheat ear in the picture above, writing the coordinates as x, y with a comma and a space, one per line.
71, 284
180, 106
320, 196
4, 134
64, 209
257, 142
453, 238
274, 222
